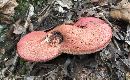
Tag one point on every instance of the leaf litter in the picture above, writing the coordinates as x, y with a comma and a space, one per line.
112, 63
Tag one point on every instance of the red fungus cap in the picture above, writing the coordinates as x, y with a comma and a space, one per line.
34, 47
94, 35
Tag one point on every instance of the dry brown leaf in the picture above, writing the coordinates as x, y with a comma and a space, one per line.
5, 19
3, 2
2, 50
7, 10
121, 11
94, 1
18, 28
128, 76
7, 6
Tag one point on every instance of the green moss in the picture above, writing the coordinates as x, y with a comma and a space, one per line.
22, 8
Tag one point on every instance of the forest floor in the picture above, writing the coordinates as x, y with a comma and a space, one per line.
23, 16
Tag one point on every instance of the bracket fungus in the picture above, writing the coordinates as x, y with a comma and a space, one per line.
87, 35
35, 47
98, 34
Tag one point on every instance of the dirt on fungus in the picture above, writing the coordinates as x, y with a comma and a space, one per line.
111, 63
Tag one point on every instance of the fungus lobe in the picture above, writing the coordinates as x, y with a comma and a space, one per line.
34, 47
87, 35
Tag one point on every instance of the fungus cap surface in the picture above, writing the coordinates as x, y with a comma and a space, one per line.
89, 39
32, 47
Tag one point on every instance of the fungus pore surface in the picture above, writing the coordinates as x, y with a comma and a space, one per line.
90, 36
34, 47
